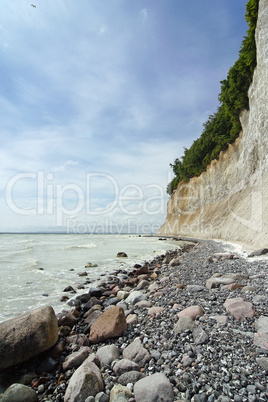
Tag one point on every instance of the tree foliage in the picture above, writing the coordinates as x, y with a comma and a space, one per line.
223, 127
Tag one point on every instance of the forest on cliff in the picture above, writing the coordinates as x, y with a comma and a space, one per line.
222, 127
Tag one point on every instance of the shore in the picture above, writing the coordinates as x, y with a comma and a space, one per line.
177, 317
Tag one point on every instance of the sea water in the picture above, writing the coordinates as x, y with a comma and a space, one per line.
36, 268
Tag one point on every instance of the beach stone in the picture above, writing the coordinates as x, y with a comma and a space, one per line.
86, 381
66, 320
248, 289
223, 256
239, 308
137, 353
186, 360
92, 302
261, 340
75, 359
92, 317
95, 292
93, 308
153, 287
195, 288
130, 377
121, 254
111, 324
84, 298
119, 389
63, 331
233, 286
141, 271
79, 340
258, 252
122, 294
19, 393
27, 336
183, 324
192, 311
124, 365
107, 354
220, 319
174, 262
200, 336
135, 296
90, 265
155, 310
69, 289
143, 304
143, 284
263, 362
261, 324
215, 282
101, 397
132, 319
154, 388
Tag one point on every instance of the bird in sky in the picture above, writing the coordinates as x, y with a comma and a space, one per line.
33, 5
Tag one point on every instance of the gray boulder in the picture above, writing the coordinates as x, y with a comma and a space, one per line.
137, 353
86, 381
124, 365
27, 336
19, 392
107, 354
154, 388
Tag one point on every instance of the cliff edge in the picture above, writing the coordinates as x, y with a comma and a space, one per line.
229, 201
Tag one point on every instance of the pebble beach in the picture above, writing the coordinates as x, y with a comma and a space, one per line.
193, 326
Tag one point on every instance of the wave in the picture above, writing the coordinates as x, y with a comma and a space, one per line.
88, 245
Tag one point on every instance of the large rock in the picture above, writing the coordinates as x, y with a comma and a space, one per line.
111, 324
19, 393
239, 308
27, 335
137, 353
86, 381
154, 388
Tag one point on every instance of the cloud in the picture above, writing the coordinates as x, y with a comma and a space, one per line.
115, 92
144, 16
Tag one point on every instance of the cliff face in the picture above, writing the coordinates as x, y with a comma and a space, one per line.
230, 200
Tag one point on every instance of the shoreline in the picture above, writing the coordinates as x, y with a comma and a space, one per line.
172, 289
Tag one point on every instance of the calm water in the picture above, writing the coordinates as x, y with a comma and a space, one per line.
33, 265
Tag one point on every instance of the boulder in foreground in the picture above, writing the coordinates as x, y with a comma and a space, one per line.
27, 335
86, 381
154, 388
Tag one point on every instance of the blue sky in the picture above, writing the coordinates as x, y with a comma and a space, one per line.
97, 98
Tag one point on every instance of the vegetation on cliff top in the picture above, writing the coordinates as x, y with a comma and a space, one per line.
223, 127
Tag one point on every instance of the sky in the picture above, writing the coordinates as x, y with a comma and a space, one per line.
97, 98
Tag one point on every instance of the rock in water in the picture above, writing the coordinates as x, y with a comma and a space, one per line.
27, 335
111, 324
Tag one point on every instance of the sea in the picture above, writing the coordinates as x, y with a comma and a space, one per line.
36, 268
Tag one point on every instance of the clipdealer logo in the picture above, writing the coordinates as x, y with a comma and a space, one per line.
71, 199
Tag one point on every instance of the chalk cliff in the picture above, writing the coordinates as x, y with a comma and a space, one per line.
229, 200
